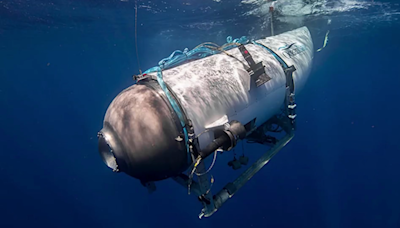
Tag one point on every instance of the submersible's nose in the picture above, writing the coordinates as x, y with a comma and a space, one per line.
139, 134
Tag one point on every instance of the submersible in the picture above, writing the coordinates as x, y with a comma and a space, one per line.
199, 102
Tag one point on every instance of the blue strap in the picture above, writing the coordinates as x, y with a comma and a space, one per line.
277, 57
176, 108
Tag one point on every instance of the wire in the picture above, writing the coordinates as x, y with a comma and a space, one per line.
211, 166
197, 136
136, 46
212, 183
198, 160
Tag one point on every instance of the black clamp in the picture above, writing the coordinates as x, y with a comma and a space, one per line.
192, 140
255, 70
139, 77
290, 97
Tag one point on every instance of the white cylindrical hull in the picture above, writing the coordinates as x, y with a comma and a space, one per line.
219, 85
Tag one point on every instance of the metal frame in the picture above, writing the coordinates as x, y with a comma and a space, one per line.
211, 203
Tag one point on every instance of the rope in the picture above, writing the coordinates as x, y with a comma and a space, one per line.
203, 50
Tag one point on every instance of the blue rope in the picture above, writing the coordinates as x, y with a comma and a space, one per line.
179, 57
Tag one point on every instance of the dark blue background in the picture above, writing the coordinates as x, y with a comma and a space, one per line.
62, 63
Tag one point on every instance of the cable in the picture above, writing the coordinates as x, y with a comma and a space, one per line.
137, 52
211, 166
197, 136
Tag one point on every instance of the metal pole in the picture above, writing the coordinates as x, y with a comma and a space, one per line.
271, 10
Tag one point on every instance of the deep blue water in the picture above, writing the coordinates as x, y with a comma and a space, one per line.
62, 63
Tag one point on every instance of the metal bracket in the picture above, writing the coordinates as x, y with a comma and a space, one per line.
139, 77
255, 70
202, 186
